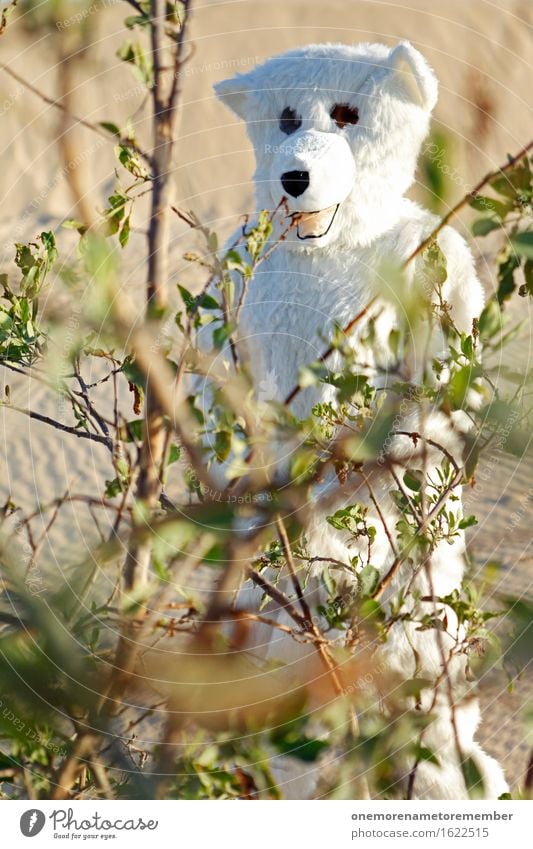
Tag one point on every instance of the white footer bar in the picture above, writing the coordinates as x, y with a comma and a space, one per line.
267, 825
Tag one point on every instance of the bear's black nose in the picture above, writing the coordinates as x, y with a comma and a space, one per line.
295, 182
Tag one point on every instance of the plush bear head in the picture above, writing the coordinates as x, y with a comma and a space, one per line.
337, 130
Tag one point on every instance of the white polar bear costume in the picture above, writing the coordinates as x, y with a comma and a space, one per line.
337, 130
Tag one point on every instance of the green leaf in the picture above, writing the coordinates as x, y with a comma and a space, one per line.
368, 580
74, 224
414, 686
349, 518
312, 375
133, 373
490, 321
473, 779
222, 334
523, 243
111, 128
371, 610
133, 21
413, 480
133, 54
422, 753
173, 454
513, 181
207, 302
434, 271
467, 346
135, 430
223, 439
124, 234
504, 186
348, 384
160, 569
113, 488
483, 226
49, 242
6, 324
329, 582
216, 556
527, 287
467, 522
460, 383
303, 463
506, 281
188, 299
489, 205
290, 740
233, 261
131, 161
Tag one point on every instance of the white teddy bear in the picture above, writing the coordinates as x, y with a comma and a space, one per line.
337, 130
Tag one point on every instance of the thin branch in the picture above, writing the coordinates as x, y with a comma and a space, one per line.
264, 620
164, 123
322, 650
328, 352
82, 434
137, 6
178, 57
84, 499
465, 200
379, 512
58, 104
4, 14
70, 769
101, 779
445, 669
422, 246
387, 578
278, 596
528, 781
415, 436
40, 542
324, 654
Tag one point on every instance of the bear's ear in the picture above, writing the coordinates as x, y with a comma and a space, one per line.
413, 76
234, 93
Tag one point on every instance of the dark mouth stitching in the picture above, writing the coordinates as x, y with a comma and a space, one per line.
325, 233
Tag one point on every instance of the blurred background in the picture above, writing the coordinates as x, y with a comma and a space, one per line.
481, 52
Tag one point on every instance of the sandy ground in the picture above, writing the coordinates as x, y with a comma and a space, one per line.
481, 52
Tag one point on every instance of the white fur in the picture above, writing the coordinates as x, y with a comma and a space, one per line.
305, 287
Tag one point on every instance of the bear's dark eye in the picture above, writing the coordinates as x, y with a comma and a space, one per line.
289, 121
343, 114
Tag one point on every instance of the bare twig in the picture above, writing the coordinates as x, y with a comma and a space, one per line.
528, 781
379, 512
71, 767
6, 11
164, 122
138, 8
57, 104
279, 597
81, 434
415, 436
328, 352
321, 648
466, 199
